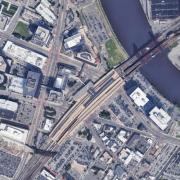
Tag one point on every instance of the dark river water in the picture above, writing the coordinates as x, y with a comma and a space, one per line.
132, 29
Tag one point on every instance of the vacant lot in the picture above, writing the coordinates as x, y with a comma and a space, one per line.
114, 53
22, 30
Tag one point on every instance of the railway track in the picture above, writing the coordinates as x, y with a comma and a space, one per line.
77, 114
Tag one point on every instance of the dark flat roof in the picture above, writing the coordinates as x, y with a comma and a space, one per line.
32, 83
165, 9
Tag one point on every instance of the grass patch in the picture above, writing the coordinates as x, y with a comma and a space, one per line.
22, 30
8, 12
178, 123
173, 45
178, 136
114, 53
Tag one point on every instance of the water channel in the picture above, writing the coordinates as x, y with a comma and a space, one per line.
132, 29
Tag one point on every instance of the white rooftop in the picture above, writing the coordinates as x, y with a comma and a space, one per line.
24, 54
139, 97
159, 117
48, 125
42, 33
46, 3
122, 136
47, 175
16, 84
8, 105
13, 133
72, 41
44, 10
59, 82
126, 155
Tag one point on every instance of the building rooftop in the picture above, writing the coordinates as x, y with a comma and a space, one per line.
47, 175
139, 97
41, 36
32, 84
8, 105
24, 54
14, 133
44, 10
72, 41
3, 64
3, 21
160, 117
60, 82
165, 9
16, 84
48, 125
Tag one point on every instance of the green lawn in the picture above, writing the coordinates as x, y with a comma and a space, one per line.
22, 30
114, 53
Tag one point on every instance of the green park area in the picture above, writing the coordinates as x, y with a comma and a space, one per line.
114, 52
8, 9
22, 30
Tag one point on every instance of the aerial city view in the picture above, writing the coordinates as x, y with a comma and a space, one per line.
89, 89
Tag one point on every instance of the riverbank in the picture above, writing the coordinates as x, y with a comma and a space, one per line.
119, 50
133, 31
129, 23
174, 55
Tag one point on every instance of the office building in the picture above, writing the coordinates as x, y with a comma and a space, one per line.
16, 84
47, 175
23, 54
43, 9
159, 117
8, 105
72, 41
139, 97
60, 82
3, 64
41, 36
13, 133
31, 84
48, 125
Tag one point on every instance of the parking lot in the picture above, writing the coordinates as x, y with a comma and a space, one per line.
8, 164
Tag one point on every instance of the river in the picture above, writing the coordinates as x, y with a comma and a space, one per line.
133, 31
